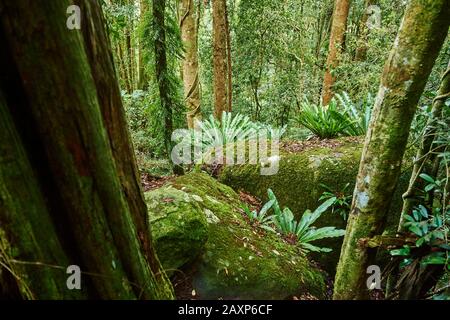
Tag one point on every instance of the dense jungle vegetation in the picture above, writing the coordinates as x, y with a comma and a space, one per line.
225, 149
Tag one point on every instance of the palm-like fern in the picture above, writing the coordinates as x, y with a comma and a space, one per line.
359, 114
303, 229
344, 118
324, 122
231, 129
262, 217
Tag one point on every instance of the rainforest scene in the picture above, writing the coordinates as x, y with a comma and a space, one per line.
224, 150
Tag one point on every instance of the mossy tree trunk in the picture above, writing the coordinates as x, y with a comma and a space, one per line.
361, 50
425, 153
142, 75
65, 127
406, 71
337, 36
229, 64
221, 65
189, 34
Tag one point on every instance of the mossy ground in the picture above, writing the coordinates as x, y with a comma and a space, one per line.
297, 185
240, 261
179, 229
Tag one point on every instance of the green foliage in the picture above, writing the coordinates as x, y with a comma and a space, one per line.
147, 139
324, 122
428, 229
341, 200
341, 117
359, 114
430, 252
262, 217
302, 231
231, 129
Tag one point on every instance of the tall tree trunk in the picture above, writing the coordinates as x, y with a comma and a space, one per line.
361, 50
424, 154
130, 55
421, 35
191, 83
126, 71
161, 72
114, 118
23, 213
142, 76
337, 36
220, 58
229, 64
63, 104
121, 66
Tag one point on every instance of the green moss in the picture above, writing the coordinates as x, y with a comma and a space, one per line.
297, 186
240, 261
179, 228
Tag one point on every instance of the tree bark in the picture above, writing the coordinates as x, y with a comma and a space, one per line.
191, 82
229, 64
23, 212
161, 70
361, 50
337, 36
421, 35
66, 108
142, 76
114, 118
220, 59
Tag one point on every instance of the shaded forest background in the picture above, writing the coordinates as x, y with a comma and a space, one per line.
278, 55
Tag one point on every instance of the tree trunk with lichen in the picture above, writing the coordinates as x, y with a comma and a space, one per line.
229, 66
361, 50
424, 154
189, 34
337, 36
221, 65
418, 42
65, 135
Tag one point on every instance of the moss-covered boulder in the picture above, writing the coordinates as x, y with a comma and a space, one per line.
297, 184
179, 227
238, 261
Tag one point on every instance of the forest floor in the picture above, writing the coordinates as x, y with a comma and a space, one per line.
182, 279
296, 146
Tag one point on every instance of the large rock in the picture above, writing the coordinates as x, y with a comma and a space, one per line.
179, 226
237, 261
297, 185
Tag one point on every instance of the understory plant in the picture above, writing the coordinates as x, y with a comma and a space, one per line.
341, 117
211, 133
301, 232
235, 127
423, 259
358, 113
324, 122
262, 217
341, 199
